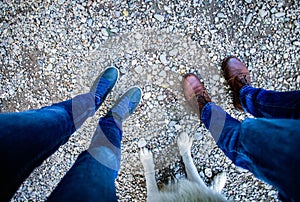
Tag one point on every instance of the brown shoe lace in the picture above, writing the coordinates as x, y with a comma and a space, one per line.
202, 99
244, 80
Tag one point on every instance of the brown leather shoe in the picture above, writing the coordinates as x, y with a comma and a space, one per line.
195, 92
237, 76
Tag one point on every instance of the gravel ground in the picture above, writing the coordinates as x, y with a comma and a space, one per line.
53, 50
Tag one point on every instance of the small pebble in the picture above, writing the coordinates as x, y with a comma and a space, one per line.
296, 43
40, 45
221, 15
104, 32
173, 52
216, 77
248, 19
162, 73
147, 95
138, 36
252, 51
160, 97
279, 15
158, 17
163, 59
125, 13
142, 143
61, 1
208, 172
134, 62
262, 13
138, 69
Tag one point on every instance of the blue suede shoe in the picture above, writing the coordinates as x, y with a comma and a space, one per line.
126, 105
104, 84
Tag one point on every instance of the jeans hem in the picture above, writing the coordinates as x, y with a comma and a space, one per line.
243, 95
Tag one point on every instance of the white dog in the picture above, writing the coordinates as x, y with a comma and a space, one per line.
191, 189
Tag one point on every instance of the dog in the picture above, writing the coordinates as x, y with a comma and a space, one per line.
191, 189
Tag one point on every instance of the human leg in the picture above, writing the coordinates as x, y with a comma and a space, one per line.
270, 104
28, 138
257, 101
269, 148
92, 176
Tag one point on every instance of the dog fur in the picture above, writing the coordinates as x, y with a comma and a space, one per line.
191, 189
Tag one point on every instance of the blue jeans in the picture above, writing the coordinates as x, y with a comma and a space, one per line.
28, 138
268, 146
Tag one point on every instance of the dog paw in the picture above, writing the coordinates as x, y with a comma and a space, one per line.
218, 182
184, 143
146, 157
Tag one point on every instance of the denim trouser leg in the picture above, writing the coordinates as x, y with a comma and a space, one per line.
92, 177
269, 148
28, 138
270, 104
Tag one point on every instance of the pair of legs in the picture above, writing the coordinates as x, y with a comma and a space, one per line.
269, 145
28, 138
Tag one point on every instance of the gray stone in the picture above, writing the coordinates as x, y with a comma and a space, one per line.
208, 172
61, 1
262, 13
163, 59
279, 15
89, 22
142, 143
104, 32
252, 50
173, 52
158, 17
138, 36
138, 69
296, 43
40, 45
162, 73
160, 97
221, 15
147, 95
248, 19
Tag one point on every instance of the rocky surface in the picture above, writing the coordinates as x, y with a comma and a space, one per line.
53, 50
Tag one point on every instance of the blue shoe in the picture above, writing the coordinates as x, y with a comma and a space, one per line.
126, 105
104, 84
